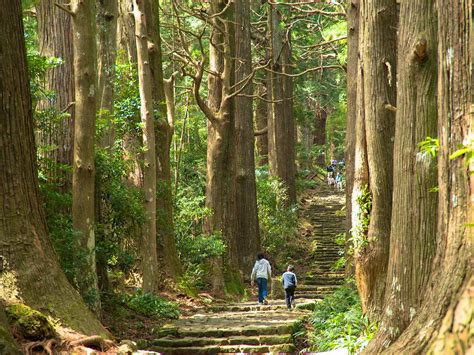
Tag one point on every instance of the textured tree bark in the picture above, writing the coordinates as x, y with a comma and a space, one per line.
107, 52
243, 229
55, 40
83, 178
352, 65
168, 255
281, 127
30, 269
444, 321
361, 181
106, 55
148, 249
261, 122
126, 30
219, 132
413, 229
378, 58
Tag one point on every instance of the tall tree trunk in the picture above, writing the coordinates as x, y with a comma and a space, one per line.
281, 127
378, 58
55, 40
83, 178
149, 256
219, 131
360, 210
30, 266
167, 252
107, 51
243, 229
444, 321
319, 136
106, 55
413, 229
353, 11
126, 30
261, 122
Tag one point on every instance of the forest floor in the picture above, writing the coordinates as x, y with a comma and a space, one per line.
251, 328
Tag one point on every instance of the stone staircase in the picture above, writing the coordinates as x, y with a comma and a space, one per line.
251, 328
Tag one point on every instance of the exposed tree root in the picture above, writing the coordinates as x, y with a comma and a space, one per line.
94, 341
47, 346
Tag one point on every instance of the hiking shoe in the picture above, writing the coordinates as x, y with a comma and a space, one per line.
260, 303
265, 302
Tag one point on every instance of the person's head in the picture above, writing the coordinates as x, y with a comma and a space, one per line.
290, 268
260, 256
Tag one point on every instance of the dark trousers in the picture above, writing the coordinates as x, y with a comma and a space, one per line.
289, 295
262, 289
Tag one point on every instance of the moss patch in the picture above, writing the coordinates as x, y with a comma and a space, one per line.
29, 323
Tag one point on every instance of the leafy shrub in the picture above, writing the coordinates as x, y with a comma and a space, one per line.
150, 305
278, 221
338, 322
192, 280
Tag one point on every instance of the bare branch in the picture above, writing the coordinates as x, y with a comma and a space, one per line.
66, 8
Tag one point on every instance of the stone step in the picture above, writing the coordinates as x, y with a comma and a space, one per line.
232, 324
278, 304
325, 281
317, 287
171, 342
226, 349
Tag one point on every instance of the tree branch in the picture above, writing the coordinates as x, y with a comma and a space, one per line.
66, 8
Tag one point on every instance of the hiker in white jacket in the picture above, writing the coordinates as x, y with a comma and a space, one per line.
262, 271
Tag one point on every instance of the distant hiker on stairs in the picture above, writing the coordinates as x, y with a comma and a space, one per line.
261, 271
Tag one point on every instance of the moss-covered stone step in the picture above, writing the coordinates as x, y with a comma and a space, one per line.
227, 349
275, 304
317, 287
228, 324
172, 342
324, 281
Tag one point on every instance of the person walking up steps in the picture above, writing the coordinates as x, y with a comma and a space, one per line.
261, 271
288, 279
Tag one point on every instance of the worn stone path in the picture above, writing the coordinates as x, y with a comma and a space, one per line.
249, 328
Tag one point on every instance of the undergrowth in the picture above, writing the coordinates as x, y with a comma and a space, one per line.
338, 322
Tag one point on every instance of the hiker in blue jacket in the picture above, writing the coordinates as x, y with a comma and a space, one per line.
289, 282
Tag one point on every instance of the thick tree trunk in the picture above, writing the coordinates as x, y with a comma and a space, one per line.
352, 65
413, 229
107, 51
83, 178
30, 267
261, 122
281, 127
218, 130
242, 226
218, 136
378, 58
149, 256
444, 322
167, 252
55, 40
